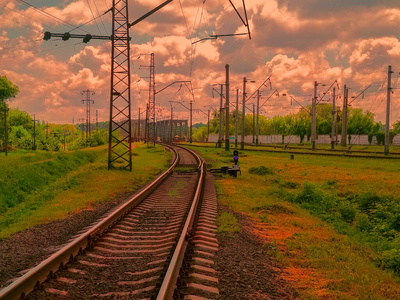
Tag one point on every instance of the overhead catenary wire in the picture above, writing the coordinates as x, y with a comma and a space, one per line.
43, 12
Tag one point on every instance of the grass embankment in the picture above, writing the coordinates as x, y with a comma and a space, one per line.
333, 222
41, 187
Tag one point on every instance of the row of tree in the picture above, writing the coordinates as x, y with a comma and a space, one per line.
19, 130
299, 124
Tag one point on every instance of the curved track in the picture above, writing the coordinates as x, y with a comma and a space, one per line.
161, 237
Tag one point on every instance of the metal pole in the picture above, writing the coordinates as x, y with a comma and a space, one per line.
258, 115
344, 118
333, 138
191, 123
254, 115
220, 116
243, 113
389, 90
171, 137
208, 125
227, 109
138, 130
237, 118
314, 117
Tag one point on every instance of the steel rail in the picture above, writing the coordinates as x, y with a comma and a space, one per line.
26, 283
345, 153
170, 279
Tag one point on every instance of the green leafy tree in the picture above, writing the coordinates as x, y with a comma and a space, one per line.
7, 91
200, 134
359, 122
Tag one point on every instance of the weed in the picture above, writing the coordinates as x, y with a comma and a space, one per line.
262, 170
227, 223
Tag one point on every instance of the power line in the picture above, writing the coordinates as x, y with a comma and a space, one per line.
43, 12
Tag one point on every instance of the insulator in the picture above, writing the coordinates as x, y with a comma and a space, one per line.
87, 38
66, 36
47, 35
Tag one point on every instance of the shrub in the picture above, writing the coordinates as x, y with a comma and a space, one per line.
262, 170
310, 193
347, 212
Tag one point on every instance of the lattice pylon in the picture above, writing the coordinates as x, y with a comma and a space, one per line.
119, 143
152, 100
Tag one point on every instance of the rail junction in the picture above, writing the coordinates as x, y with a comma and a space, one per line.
159, 244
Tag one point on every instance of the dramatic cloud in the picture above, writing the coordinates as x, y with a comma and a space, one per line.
294, 42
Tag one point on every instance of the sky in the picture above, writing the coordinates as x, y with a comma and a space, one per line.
297, 43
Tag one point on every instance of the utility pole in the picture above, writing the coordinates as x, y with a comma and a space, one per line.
314, 117
171, 137
258, 114
34, 132
138, 130
208, 125
146, 127
221, 94
243, 112
237, 118
344, 117
333, 138
254, 115
389, 91
88, 101
97, 119
227, 109
191, 119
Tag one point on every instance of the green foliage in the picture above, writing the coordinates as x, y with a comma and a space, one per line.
7, 89
366, 217
18, 183
227, 223
262, 170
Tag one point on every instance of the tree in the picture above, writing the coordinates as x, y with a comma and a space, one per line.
7, 90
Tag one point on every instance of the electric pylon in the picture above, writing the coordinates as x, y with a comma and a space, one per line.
152, 101
119, 145
88, 101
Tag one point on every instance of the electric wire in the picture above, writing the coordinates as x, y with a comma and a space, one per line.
23, 16
91, 11
43, 12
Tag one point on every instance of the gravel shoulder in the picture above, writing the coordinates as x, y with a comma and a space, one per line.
246, 271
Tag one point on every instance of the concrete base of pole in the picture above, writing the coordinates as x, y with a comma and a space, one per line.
236, 143
242, 146
256, 142
313, 145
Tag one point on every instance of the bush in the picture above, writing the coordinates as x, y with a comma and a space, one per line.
310, 193
262, 170
347, 212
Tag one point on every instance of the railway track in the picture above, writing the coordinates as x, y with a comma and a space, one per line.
158, 245
322, 152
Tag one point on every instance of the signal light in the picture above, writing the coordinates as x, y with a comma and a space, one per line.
236, 157
47, 35
66, 36
87, 38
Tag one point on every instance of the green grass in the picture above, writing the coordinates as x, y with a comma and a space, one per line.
227, 223
48, 186
337, 216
